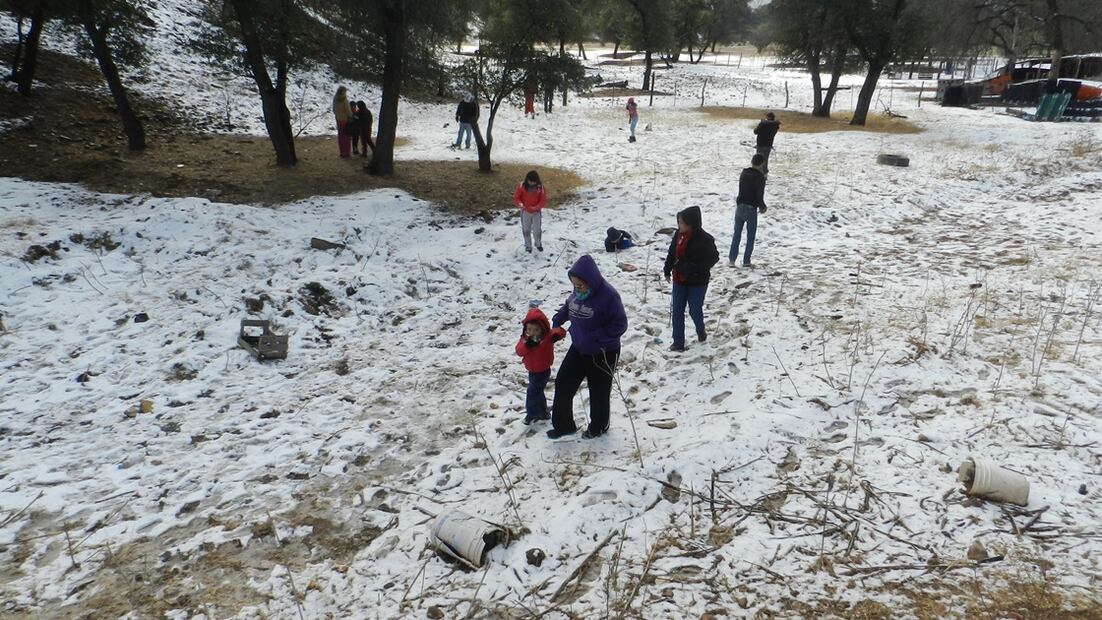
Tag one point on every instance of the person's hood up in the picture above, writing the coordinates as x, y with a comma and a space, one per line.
537, 315
691, 216
586, 269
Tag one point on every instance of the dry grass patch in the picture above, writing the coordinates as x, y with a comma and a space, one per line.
956, 597
69, 135
621, 92
1029, 600
1083, 145
802, 122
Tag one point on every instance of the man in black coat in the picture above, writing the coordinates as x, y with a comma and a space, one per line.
689, 263
466, 114
750, 201
765, 131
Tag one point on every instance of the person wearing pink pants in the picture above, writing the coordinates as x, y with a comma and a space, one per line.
342, 112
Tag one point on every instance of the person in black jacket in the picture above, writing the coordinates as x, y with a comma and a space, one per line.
689, 263
750, 202
362, 120
766, 131
466, 114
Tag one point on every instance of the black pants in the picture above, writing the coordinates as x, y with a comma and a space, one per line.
597, 370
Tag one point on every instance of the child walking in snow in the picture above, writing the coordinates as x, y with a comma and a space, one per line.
537, 349
633, 117
531, 199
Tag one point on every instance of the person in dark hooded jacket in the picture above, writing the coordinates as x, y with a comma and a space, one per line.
689, 263
766, 131
749, 202
597, 320
466, 114
362, 121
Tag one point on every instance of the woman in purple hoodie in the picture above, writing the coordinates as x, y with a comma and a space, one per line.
597, 320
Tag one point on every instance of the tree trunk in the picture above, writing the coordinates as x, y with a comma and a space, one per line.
562, 54
1057, 30
714, 41
283, 114
581, 50
615, 48
816, 84
19, 39
273, 100
647, 71
484, 163
382, 160
838, 62
30, 61
487, 144
97, 35
864, 99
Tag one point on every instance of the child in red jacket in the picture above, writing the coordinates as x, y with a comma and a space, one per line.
531, 198
537, 348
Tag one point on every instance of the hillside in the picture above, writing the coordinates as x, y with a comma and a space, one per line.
800, 463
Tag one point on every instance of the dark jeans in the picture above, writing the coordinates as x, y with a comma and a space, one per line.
364, 135
744, 214
595, 369
764, 151
693, 296
535, 403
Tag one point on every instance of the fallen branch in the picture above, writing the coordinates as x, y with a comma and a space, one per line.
786, 373
578, 569
16, 515
474, 597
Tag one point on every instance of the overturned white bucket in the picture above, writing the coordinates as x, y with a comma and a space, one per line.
982, 478
466, 537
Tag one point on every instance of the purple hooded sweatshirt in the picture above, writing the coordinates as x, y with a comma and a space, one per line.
596, 323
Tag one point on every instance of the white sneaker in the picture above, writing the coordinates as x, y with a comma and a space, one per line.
732, 263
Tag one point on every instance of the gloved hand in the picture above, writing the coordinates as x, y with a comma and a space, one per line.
762, 209
667, 276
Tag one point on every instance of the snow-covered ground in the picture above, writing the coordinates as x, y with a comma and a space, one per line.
921, 315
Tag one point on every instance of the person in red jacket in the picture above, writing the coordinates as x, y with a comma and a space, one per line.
530, 98
531, 199
536, 347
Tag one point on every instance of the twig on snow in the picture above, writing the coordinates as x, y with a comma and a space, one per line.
581, 566
786, 373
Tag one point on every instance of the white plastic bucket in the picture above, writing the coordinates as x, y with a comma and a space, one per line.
982, 478
466, 536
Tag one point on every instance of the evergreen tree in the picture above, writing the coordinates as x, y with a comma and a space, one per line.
25, 57
879, 30
114, 34
650, 28
255, 38
811, 32
508, 58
